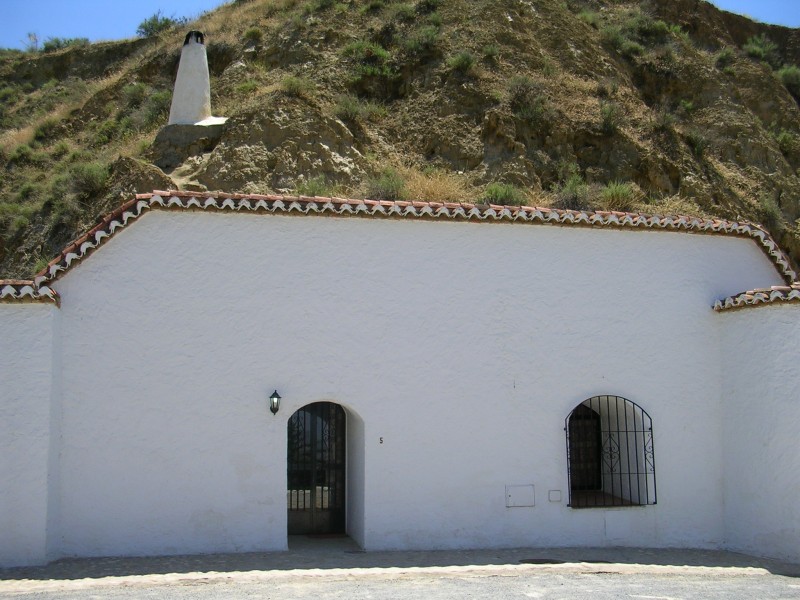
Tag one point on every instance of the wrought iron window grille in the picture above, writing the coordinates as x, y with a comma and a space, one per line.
610, 455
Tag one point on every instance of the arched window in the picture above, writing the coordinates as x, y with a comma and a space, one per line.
610, 454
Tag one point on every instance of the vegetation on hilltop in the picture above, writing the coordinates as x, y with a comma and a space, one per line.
649, 106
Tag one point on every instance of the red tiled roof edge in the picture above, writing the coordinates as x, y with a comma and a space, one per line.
25, 290
181, 200
777, 294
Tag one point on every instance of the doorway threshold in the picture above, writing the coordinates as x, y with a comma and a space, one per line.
332, 543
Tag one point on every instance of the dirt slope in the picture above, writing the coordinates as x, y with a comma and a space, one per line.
648, 106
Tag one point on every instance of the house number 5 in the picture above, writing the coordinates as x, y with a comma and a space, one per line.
381, 439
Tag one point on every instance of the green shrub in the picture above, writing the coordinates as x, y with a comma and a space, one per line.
316, 186
636, 30
46, 129
253, 35
724, 57
423, 40
24, 154
78, 156
88, 179
656, 29
762, 48
299, 87
528, 102
125, 126
503, 193
790, 77
697, 142
19, 224
156, 108
16, 218
56, 43
9, 94
373, 111
434, 19
348, 108
351, 109
573, 194
425, 7
787, 141
590, 17
664, 121
769, 214
686, 107
610, 117
246, 87
491, 52
548, 67
462, 62
679, 33
64, 209
367, 53
134, 94
373, 6
143, 146
106, 132
60, 150
157, 23
404, 12
607, 87
617, 195
644, 28
520, 90
387, 185
28, 191
613, 36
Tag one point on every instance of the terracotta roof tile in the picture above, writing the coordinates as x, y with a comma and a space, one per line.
777, 294
22, 290
131, 210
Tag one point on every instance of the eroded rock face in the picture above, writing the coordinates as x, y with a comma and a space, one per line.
174, 144
277, 146
130, 176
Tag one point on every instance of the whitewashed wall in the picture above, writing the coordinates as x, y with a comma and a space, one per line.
26, 373
761, 405
464, 346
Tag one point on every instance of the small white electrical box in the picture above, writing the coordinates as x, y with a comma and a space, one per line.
519, 496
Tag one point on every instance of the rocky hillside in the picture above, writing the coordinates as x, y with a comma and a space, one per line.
660, 106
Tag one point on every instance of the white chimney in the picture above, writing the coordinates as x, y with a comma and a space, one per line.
191, 100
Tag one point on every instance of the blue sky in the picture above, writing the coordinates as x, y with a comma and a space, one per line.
116, 19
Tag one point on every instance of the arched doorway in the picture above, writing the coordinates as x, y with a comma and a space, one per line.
585, 449
610, 457
315, 473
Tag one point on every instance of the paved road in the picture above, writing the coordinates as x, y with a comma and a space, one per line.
337, 570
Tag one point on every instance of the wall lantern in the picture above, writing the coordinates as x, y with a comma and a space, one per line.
274, 402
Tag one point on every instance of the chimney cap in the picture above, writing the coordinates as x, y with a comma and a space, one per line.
197, 36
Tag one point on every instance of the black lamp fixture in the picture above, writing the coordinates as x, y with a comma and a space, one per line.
274, 402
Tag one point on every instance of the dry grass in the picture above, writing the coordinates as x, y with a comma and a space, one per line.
226, 24
677, 205
436, 185
14, 137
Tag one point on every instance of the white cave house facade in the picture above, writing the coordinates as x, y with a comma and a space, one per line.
450, 376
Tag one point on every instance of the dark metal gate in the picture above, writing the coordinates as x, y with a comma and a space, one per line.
610, 456
316, 469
